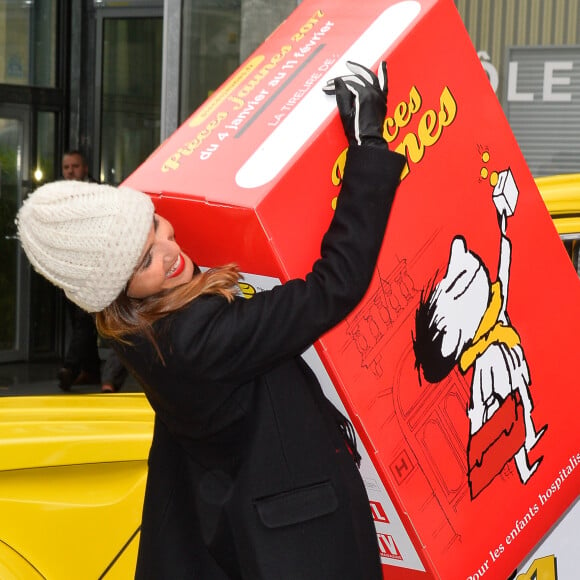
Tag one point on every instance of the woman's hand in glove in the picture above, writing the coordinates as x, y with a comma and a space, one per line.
362, 102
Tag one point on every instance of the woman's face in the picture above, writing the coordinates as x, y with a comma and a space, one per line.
161, 265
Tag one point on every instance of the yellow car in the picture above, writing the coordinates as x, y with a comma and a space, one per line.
73, 468
72, 480
561, 194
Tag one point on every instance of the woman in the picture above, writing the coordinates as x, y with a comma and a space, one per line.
250, 473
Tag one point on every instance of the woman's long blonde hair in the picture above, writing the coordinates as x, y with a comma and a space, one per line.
131, 316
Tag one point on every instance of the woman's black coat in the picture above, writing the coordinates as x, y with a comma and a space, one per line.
249, 475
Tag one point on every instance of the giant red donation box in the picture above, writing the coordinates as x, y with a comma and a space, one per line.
468, 461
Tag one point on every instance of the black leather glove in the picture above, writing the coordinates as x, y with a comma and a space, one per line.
362, 102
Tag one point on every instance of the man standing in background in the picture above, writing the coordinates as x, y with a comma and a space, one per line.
82, 365
75, 166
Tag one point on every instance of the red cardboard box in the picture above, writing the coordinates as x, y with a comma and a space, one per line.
466, 469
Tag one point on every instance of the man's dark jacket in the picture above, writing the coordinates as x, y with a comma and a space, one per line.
249, 474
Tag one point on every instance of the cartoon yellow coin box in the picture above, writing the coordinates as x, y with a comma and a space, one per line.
457, 369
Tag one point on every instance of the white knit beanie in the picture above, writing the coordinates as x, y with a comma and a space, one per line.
85, 238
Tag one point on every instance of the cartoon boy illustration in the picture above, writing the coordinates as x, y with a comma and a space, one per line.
463, 321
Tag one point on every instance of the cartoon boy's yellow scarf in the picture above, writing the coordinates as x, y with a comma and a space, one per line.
489, 331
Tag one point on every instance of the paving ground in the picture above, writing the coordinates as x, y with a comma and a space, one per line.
39, 378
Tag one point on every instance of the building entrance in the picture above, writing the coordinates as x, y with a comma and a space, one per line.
13, 268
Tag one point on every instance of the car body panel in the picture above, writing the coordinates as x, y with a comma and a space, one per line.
561, 194
72, 479
14, 567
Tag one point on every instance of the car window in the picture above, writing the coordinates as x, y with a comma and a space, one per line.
572, 245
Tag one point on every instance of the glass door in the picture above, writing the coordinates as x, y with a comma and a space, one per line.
128, 88
14, 269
